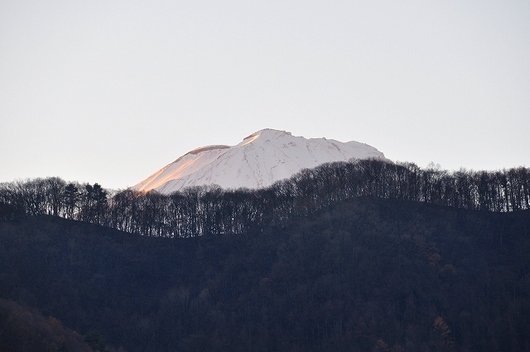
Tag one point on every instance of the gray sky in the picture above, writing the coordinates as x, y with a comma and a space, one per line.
111, 91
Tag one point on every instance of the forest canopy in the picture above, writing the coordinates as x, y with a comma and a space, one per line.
362, 256
365, 274
211, 210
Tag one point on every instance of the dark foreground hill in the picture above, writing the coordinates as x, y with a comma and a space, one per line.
362, 275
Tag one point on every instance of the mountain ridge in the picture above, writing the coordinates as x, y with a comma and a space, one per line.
259, 160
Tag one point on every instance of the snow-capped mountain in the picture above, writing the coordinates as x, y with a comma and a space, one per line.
258, 161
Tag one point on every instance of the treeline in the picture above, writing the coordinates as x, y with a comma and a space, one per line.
53, 196
211, 210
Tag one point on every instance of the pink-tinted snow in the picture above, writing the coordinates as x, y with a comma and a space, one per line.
258, 161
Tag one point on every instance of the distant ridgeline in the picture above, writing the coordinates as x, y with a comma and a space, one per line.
211, 210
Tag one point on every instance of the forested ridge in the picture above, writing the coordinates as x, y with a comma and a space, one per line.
359, 256
211, 210
359, 275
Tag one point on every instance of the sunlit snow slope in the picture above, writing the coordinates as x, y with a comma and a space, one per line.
258, 161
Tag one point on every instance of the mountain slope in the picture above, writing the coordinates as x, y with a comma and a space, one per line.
258, 161
365, 274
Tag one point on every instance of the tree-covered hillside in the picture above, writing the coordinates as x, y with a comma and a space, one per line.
211, 210
356, 275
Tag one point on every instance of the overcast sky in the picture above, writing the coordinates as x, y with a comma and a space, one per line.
111, 91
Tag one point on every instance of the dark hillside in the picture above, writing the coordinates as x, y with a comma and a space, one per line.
23, 329
364, 274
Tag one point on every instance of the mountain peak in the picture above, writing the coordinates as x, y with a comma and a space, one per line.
268, 132
259, 160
